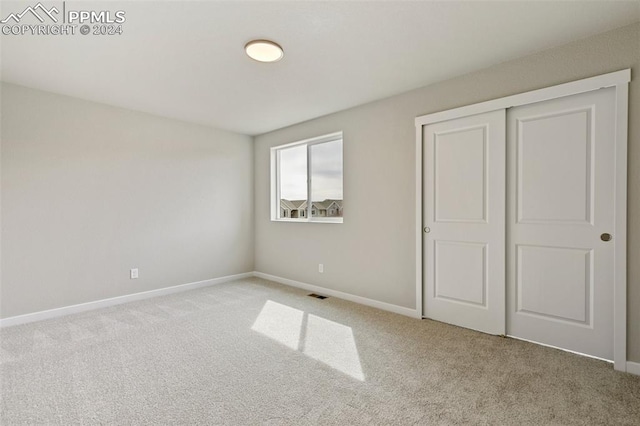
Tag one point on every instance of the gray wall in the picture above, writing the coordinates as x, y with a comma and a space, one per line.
90, 191
373, 254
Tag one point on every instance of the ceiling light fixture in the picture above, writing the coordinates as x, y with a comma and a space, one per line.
264, 51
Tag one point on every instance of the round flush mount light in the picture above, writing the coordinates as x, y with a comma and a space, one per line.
264, 51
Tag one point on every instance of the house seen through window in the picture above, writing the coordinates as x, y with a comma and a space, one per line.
307, 180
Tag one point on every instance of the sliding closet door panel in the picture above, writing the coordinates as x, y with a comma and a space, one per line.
464, 218
561, 205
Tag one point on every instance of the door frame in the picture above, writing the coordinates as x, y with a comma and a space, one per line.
620, 80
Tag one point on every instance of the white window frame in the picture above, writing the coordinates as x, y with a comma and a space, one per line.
275, 179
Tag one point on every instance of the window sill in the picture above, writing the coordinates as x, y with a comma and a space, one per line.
314, 220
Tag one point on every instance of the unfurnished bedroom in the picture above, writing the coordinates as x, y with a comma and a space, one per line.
319, 212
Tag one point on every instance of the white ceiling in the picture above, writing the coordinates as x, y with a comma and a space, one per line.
185, 60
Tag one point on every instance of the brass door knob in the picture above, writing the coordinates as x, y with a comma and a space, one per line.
606, 237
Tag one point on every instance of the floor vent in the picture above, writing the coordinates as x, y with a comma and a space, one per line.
317, 296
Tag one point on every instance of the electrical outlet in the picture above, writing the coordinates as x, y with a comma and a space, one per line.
320, 268
134, 273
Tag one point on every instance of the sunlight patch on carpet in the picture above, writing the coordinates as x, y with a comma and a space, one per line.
280, 323
326, 341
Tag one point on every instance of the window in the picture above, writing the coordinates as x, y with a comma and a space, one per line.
306, 177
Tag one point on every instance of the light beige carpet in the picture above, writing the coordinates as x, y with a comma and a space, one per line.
256, 352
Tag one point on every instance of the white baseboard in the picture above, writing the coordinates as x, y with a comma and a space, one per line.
340, 295
103, 303
633, 368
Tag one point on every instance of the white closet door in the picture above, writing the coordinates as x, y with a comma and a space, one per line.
561, 210
464, 219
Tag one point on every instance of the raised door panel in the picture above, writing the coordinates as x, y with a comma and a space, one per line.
555, 167
460, 175
461, 272
554, 283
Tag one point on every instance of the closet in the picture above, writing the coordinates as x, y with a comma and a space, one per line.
522, 216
